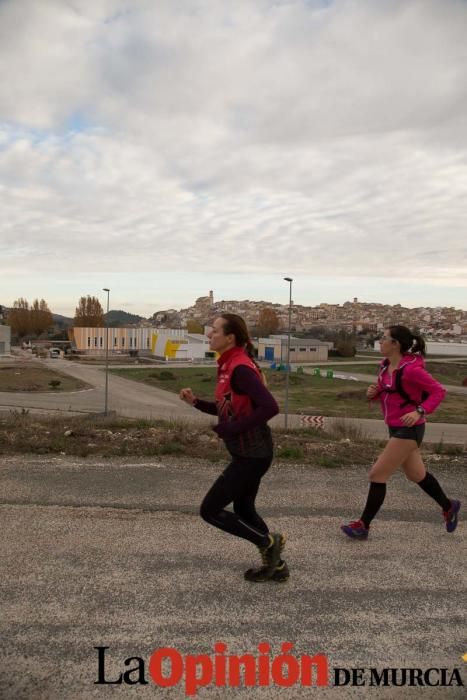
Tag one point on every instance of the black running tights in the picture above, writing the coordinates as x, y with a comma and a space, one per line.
238, 484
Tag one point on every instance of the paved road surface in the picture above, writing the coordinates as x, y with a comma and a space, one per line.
99, 553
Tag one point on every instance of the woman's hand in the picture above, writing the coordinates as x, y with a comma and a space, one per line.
187, 396
372, 391
409, 419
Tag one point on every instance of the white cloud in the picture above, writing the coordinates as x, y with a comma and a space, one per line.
250, 136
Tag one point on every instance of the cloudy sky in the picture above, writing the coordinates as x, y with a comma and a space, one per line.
163, 148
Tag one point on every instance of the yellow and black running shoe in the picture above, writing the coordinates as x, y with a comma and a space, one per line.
280, 574
271, 555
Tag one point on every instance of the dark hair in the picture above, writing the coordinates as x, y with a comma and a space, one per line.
236, 325
409, 342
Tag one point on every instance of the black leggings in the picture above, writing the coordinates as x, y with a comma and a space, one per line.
238, 484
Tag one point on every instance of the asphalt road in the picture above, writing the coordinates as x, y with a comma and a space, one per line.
114, 554
127, 398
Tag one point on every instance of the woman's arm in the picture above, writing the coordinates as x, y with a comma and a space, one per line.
423, 381
188, 397
205, 406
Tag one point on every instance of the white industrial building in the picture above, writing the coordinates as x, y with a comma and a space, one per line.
434, 347
275, 349
160, 343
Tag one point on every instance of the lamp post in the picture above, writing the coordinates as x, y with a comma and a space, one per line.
287, 369
106, 391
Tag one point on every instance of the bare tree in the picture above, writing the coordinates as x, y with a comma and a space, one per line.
89, 313
19, 318
268, 322
193, 326
41, 317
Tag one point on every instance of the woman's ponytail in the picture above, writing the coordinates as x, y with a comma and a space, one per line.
409, 342
250, 349
418, 345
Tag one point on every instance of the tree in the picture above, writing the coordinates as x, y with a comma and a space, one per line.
193, 326
345, 344
267, 322
89, 313
41, 318
19, 318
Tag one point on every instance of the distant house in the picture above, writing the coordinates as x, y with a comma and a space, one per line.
5, 340
275, 349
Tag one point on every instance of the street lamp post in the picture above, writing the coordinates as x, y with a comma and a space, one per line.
106, 391
287, 369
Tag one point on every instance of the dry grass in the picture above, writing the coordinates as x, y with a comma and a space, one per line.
342, 429
308, 394
95, 434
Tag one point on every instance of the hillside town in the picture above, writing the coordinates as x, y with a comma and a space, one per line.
354, 316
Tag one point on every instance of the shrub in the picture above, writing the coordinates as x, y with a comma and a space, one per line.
342, 429
170, 448
442, 449
329, 461
296, 379
290, 452
346, 348
164, 375
352, 394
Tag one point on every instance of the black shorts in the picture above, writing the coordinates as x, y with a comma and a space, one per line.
416, 432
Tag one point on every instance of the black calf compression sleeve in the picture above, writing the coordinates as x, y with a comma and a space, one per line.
375, 500
431, 486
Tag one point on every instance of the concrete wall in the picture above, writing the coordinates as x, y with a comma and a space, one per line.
452, 349
442, 348
5, 340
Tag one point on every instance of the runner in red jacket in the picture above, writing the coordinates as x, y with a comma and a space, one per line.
407, 393
243, 405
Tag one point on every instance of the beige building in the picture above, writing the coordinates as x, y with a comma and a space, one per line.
161, 343
274, 349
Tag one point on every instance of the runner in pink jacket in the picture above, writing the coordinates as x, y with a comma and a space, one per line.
416, 382
407, 392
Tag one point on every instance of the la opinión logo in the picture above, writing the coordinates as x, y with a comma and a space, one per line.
168, 668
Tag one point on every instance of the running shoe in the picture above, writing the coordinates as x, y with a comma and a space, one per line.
271, 555
280, 574
451, 515
356, 529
